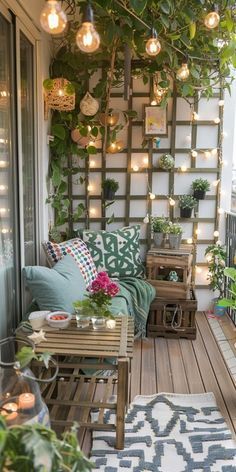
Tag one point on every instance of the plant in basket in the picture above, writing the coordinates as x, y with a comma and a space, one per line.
200, 187
186, 204
98, 299
216, 257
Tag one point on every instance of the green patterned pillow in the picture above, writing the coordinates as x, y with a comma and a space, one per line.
116, 252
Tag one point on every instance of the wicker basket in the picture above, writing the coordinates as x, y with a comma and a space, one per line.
57, 98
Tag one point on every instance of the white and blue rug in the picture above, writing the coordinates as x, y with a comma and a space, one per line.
168, 433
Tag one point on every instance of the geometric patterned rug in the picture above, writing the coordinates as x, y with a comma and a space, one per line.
168, 433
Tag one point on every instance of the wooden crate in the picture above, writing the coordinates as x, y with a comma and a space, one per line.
160, 262
173, 319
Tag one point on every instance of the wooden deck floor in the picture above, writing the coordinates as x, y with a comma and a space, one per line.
181, 366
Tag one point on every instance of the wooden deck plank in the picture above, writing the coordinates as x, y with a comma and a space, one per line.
135, 385
163, 369
148, 375
191, 367
180, 383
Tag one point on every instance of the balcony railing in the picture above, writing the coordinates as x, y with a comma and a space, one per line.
230, 241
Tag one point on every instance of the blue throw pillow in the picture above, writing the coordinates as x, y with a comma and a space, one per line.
56, 288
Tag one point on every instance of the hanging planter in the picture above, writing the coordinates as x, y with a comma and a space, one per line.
166, 162
89, 105
111, 119
77, 137
59, 94
110, 187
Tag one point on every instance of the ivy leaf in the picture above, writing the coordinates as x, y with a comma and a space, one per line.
91, 150
48, 84
187, 90
138, 5
62, 187
59, 131
45, 357
195, 73
25, 356
69, 89
94, 131
192, 29
111, 219
165, 7
56, 176
41, 449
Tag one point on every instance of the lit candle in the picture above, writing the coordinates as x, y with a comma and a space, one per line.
10, 411
26, 401
111, 324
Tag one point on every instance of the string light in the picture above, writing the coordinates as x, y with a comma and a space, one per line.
183, 72
135, 168
212, 19
87, 38
221, 103
195, 116
153, 45
171, 201
92, 211
215, 183
207, 154
5, 230
4, 164
3, 211
220, 211
3, 187
145, 160
194, 153
153, 102
92, 163
146, 219
52, 18
198, 270
189, 240
183, 168
197, 231
90, 188
152, 196
216, 234
217, 120
214, 152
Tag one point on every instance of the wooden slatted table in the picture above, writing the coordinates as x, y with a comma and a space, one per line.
74, 388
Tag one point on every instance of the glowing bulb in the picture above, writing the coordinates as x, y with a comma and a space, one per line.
198, 231
135, 168
3, 187
3, 164
198, 270
145, 160
189, 240
214, 152
87, 38
146, 219
216, 234
171, 202
195, 116
92, 211
215, 183
183, 168
152, 196
92, 163
3, 211
153, 45
61, 93
5, 231
90, 188
183, 72
153, 102
221, 103
212, 20
207, 154
217, 121
209, 258
194, 153
53, 19
220, 211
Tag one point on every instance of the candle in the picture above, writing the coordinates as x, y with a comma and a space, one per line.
26, 401
111, 324
9, 411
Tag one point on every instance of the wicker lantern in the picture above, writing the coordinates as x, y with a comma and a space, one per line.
59, 94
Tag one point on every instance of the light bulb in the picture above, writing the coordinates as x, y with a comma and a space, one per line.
153, 45
145, 160
90, 188
53, 19
4, 164
183, 168
188, 138
214, 152
153, 102
195, 116
198, 270
183, 72
189, 240
146, 219
198, 231
5, 230
60, 92
92, 163
135, 168
92, 211
207, 154
152, 196
171, 202
216, 234
215, 183
221, 103
217, 121
3, 187
87, 38
194, 153
3, 211
212, 20
220, 211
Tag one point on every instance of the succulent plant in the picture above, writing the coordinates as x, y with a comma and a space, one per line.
160, 224
166, 162
175, 228
201, 184
187, 201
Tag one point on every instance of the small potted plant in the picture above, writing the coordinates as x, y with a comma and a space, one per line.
186, 204
200, 187
216, 257
160, 228
230, 273
166, 162
110, 187
175, 235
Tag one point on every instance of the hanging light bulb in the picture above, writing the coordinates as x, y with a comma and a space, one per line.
212, 19
153, 45
152, 196
183, 168
146, 219
198, 270
87, 38
216, 234
183, 72
194, 153
52, 18
207, 154
135, 168
171, 201
189, 240
217, 121
195, 116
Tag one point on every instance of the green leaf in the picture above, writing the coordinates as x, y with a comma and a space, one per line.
25, 356
165, 7
194, 72
45, 357
62, 187
94, 131
192, 29
187, 90
59, 131
91, 150
138, 5
231, 273
226, 302
56, 176
69, 89
48, 84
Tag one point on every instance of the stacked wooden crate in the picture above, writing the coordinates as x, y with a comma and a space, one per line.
172, 313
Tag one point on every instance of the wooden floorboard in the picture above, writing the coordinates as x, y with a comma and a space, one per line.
182, 366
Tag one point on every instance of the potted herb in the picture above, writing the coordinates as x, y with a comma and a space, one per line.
110, 187
175, 235
160, 228
216, 257
200, 187
186, 204
166, 162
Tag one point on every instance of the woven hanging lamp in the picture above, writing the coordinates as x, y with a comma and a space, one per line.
59, 94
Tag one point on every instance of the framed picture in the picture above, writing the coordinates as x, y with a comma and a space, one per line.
155, 121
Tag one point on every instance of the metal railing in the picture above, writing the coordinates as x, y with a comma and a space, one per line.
230, 241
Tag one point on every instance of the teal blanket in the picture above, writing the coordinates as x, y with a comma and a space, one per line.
135, 295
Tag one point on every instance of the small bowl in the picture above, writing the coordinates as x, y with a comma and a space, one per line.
59, 319
37, 318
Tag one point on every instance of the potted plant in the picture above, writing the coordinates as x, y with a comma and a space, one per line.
200, 187
110, 187
160, 228
216, 257
229, 272
166, 162
186, 204
175, 235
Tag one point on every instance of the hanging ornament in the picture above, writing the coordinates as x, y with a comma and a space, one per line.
59, 94
146, 219
79, 139
166, 162
53, 19
111, 119
115, 147
89, 105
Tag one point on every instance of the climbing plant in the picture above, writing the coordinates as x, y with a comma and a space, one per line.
121, 24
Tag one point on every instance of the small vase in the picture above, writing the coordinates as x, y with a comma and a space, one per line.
185, 212
82, 320
199, 194
98, 322
175, 240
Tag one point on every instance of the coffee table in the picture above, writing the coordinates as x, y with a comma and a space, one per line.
74, 387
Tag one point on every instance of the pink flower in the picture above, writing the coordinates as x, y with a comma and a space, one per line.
112, 289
